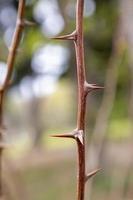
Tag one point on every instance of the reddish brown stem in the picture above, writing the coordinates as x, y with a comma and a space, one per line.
83, 90
79, 47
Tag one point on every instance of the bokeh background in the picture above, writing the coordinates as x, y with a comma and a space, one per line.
42, 100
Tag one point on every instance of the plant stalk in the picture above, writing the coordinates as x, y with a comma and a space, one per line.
84, 89
79, 47
10, 64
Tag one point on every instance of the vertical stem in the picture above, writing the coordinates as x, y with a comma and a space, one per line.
79, 47
83, 90
10, 64
15, 42
81, 171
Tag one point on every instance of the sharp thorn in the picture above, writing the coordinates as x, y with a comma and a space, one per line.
71, 36
91, 174
64, 37
76, 134
65, 135
91, 87
95, 86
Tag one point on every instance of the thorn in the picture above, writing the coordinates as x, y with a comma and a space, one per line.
25, 22
91, 174
29, 23
71, 36
78, 134
65, 135
90, 87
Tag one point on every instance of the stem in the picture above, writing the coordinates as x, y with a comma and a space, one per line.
79, 47
15, 42
81, 171
10, 64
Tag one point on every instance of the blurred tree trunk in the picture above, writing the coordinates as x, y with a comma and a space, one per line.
97, 148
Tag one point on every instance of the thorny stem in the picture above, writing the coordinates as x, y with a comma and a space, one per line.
79, 47
84, 89
10, 64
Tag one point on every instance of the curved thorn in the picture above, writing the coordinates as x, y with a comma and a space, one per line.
65, 135
71, 36
91, 174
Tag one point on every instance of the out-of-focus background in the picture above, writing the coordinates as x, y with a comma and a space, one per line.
42, 100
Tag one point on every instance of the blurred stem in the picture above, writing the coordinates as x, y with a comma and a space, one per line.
10, 65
